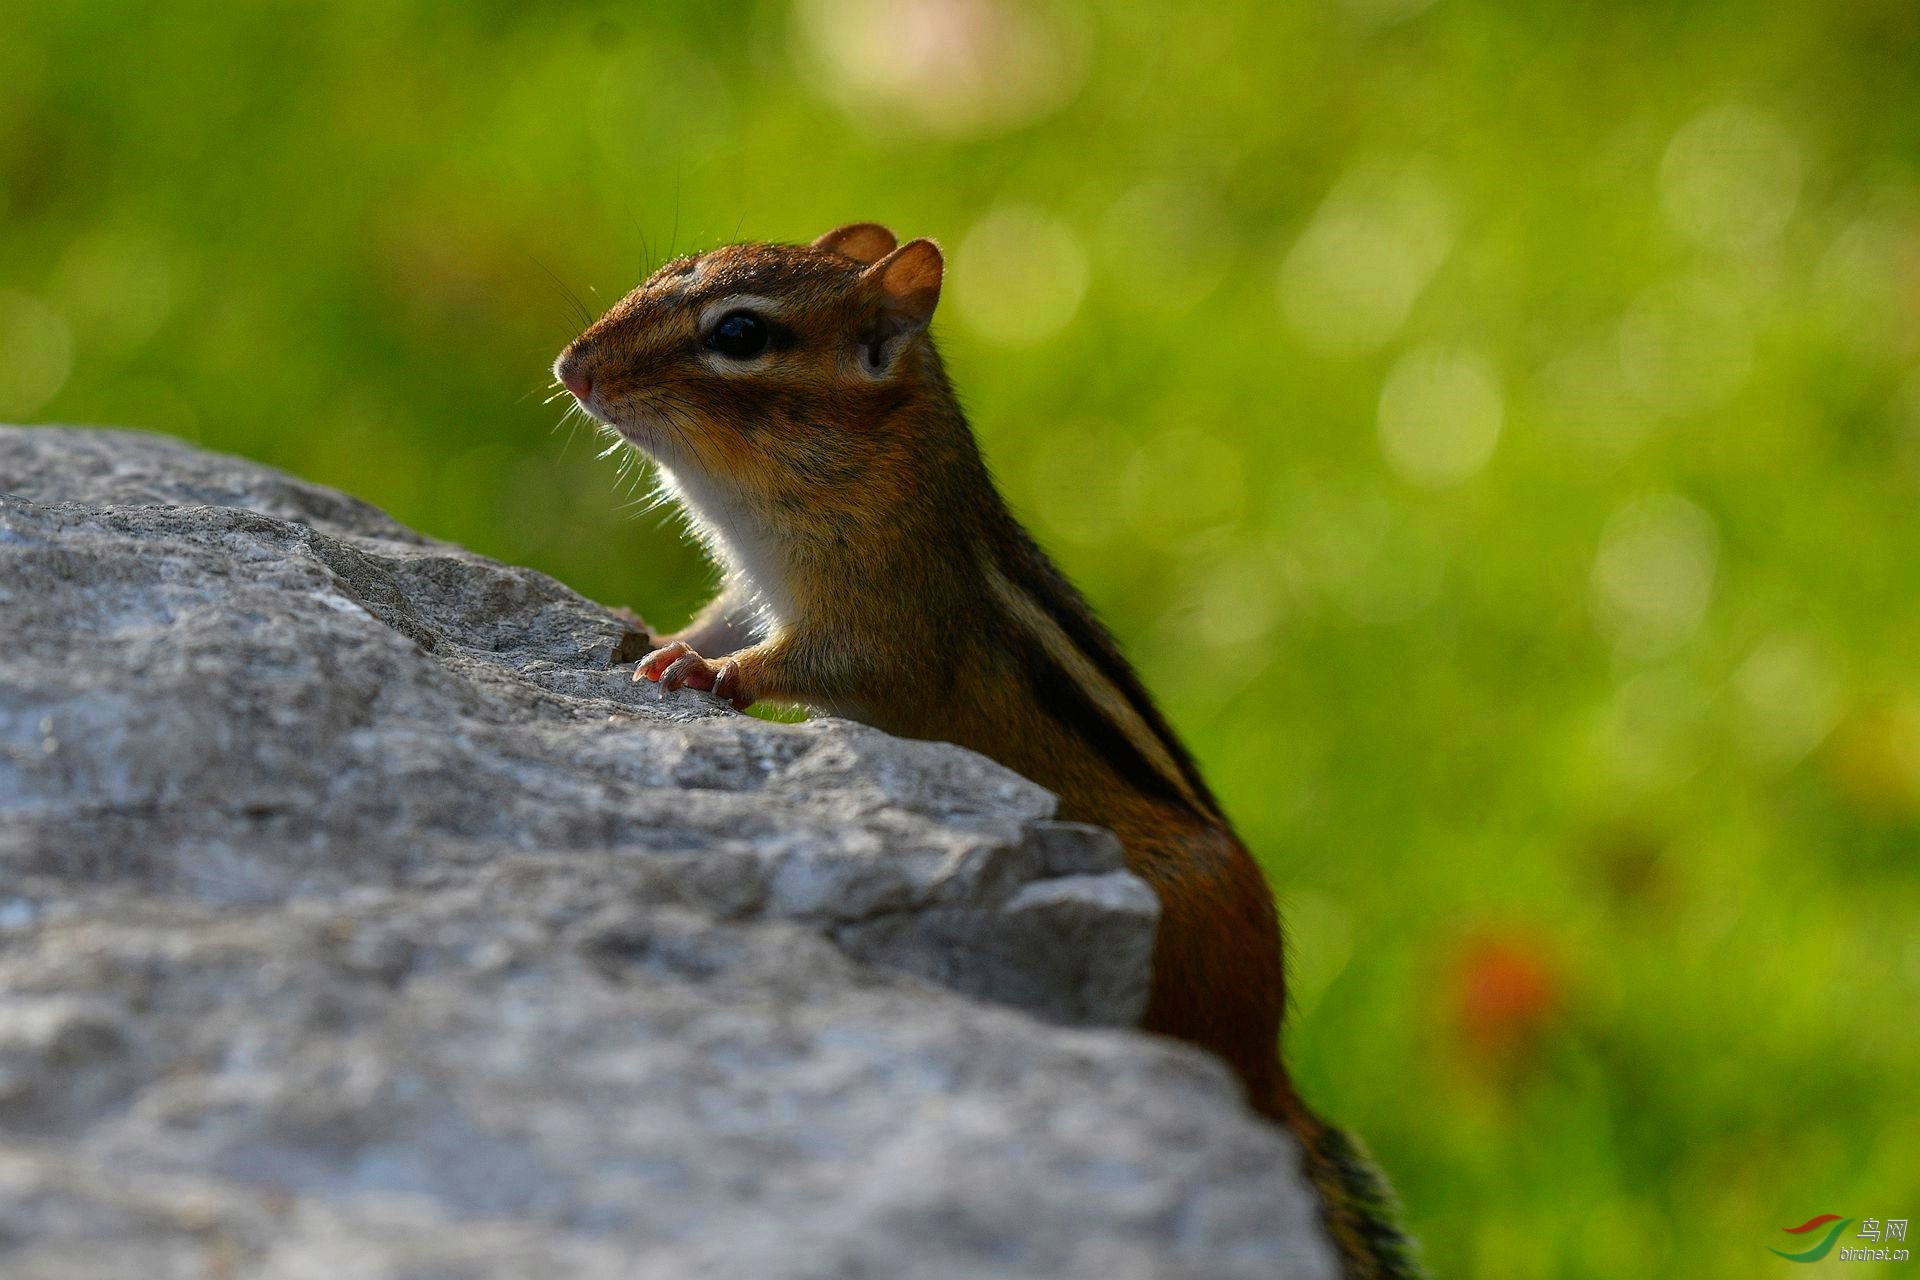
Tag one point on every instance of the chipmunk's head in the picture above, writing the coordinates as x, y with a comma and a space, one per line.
767, 380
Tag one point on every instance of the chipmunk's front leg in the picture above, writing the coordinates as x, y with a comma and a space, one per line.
771, 669
678, 666
784, 669
725, 626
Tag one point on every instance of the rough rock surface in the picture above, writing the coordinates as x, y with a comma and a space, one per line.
360, 917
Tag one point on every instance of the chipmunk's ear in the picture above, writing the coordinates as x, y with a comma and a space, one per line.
908, 282
861, 241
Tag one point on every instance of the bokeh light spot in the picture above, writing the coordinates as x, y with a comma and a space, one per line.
1238, 601
1440, 415
36, 354
1019, 275
1653, 576
1867, 284
1790, 695
1352, 277
1730, 178
946, 68
118, 287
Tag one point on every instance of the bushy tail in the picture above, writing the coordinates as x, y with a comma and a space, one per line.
1362, 1212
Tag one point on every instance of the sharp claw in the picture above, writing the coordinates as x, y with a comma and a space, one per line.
677, 666
689, 671
660, 659
726, 686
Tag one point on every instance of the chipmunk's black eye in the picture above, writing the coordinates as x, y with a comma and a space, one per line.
739, 334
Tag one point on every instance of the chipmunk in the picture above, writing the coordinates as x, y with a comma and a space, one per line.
794, 403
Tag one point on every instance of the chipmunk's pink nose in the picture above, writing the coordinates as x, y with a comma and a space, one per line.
576, 380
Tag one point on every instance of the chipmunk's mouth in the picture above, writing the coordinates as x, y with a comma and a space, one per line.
637, 429
648, 432
627, 414
630, 418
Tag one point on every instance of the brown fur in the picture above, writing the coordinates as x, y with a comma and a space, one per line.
870, 564
888, 518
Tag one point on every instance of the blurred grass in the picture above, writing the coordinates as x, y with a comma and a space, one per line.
1494, 429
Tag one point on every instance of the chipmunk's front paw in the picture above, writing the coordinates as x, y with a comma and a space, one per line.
678, 667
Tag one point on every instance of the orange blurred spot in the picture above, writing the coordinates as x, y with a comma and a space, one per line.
1508, 993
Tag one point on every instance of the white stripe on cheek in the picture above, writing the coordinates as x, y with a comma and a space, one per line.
711, 313
725, 366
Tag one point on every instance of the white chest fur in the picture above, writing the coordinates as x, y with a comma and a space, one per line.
748, 551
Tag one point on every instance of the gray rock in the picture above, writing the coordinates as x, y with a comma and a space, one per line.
359, 916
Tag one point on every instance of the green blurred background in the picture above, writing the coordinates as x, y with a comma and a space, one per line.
1494, 429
